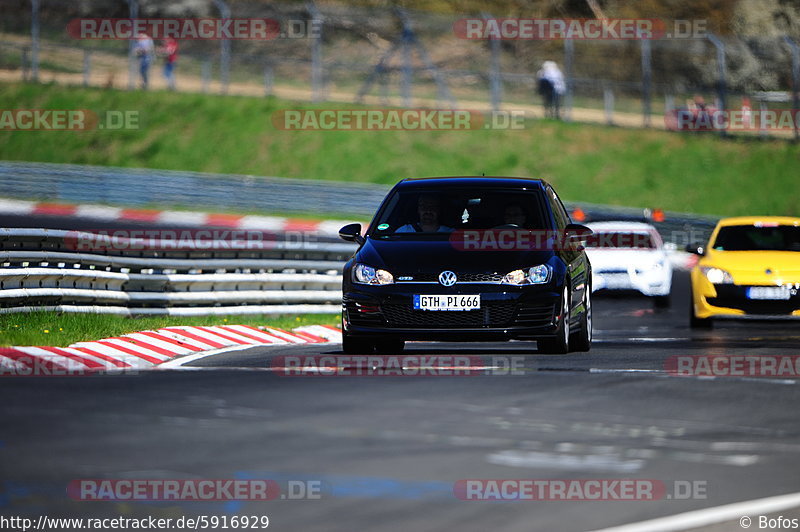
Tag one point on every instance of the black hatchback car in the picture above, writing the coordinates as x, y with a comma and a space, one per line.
468, 259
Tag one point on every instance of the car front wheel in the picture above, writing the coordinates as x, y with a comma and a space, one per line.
559, 344
582, 340
356, 346
694, 321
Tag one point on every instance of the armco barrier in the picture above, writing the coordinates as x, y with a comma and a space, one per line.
136, 187
41, 270
76, 184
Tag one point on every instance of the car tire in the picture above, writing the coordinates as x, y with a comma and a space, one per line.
694, 321
662, 301
582, 340
559, 344
356, 346
389, 347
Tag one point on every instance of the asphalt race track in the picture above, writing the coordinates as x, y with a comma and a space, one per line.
386, 451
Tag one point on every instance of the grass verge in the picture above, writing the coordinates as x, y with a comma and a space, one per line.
594, 163
59, 330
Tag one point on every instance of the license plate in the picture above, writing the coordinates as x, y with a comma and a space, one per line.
769, 292
616, 280
444, 302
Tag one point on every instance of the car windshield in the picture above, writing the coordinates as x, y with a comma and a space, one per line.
758, 238
620, 240
410, 213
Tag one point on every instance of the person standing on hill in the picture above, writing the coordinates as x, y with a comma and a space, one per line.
170, 51
144, 50
551, 87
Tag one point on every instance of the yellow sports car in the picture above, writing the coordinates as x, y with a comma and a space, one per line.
750, 269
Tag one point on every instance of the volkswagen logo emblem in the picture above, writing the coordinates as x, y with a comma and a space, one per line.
447, 278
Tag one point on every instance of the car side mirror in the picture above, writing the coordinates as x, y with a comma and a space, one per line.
696, 249
351, 233
577, 232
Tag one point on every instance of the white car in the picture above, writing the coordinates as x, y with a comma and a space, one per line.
629, 256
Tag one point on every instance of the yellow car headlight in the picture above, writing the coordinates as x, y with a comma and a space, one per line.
716, 275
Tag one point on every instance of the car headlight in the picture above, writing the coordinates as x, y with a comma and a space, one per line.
368, 275
716, 275
655, 267
536, 275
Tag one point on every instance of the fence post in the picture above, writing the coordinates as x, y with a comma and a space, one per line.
569, 54
495, 84
647, 75
669, 104
133, 8
383, 80
407, 68
721, 89
225, 49
35, 40
25, 58
206, 74
608, 103
268, 79
795, 82
316, 53
87, 67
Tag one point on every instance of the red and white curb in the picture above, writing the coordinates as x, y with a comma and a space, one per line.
149, 349
103, 213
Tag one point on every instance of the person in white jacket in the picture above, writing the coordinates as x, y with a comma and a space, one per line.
144, 49
551, 87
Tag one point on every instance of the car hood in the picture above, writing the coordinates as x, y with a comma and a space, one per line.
414, 256
750, 267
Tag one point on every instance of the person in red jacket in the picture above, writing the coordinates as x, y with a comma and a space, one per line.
170, 51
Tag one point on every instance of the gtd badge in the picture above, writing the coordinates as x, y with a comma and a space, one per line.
447, 278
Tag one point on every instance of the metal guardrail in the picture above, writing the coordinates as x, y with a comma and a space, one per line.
41, 269
132, 187
136, 187
72, 271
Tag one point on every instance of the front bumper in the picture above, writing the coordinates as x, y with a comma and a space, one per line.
648, 283
730, 301
507, 312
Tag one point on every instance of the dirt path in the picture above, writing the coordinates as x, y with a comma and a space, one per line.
106, 74
110, 75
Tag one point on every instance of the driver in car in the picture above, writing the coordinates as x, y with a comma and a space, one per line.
428, 208
514, 215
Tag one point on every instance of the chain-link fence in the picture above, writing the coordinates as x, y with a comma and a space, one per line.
411, 58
